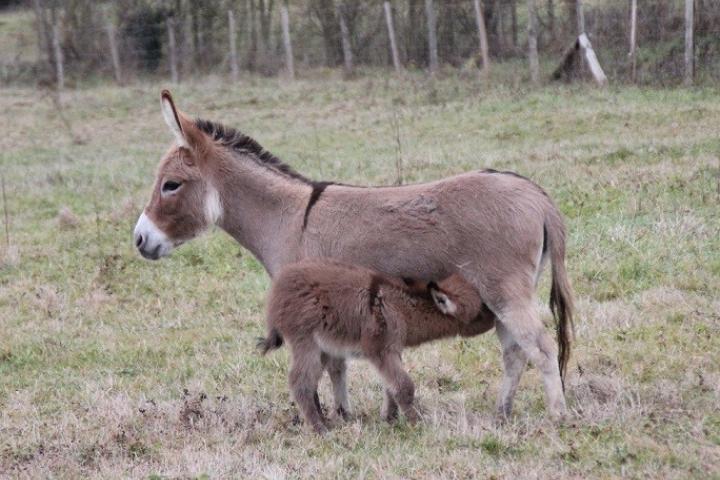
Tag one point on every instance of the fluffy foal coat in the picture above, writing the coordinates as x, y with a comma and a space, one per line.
328, 311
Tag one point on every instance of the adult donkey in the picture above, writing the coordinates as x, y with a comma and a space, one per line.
494, 228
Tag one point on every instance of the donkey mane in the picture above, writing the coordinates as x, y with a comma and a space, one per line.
239, 142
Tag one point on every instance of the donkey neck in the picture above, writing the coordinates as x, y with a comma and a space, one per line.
262, 208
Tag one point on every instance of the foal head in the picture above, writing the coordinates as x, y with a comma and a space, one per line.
183, 203
454, 296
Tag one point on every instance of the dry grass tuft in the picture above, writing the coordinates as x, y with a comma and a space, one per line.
67, 220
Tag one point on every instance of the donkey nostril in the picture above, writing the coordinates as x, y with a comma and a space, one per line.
139, 241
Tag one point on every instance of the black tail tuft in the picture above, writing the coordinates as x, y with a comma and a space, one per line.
273, 341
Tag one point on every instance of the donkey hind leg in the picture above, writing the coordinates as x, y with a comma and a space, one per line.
522, 323
514, 363
389, 410
399, 384
305, 374
337, 369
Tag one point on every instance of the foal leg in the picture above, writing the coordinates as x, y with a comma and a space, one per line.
522, 323
514, 363
337, 369
398, 383
389, 410
305, 374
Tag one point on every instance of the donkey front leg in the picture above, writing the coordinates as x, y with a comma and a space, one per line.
337, 369
305, 374
399, 385
522, 323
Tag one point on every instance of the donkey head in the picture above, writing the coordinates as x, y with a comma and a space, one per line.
183, 202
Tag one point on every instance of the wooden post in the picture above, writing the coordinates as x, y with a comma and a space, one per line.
289, 60
580, 17
345, 38
391, 34
114, 55
57, 52
633, 39
532, 43
551, 18
689, 50
482, 35
172, 47
591, 59
234, 68
432, 35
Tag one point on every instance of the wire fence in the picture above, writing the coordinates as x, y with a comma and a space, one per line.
80, 40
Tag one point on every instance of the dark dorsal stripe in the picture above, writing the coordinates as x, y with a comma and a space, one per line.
317, 189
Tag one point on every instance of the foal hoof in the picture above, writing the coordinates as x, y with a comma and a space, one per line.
342, 413
320, 429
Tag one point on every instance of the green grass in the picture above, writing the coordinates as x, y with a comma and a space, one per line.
104, 356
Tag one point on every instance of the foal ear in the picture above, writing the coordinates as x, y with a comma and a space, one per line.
172, 118
442, 301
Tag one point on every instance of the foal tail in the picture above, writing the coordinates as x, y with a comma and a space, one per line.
561, 302
272, 342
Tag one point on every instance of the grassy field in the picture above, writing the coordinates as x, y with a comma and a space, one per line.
112, 366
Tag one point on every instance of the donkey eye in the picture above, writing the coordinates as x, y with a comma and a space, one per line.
170, 186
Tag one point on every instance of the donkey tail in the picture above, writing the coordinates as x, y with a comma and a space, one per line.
272, 342
561, 302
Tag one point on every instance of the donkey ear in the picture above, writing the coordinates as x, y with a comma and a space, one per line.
172, 118
442, 301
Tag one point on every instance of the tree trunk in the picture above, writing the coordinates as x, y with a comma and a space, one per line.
172, 47
514, 24
234, 68
532, 43
633, 39
391, 35
57, 51
432, 35
482, 35
325, 12
414, 37
114, 55
551, 19
346, 45
289, 60
580, 17
689, 50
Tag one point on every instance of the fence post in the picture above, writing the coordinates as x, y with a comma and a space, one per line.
114, 55
482, 35
633, 40
234, 69
689, 50
57, 52
432, 35
580, 17
391, 34
172, 46
345, 37
532, 42
289, 60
